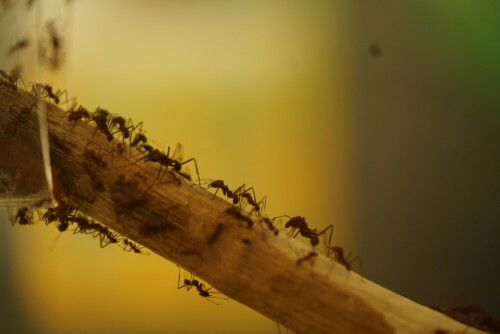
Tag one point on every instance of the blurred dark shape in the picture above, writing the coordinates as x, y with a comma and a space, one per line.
469, 314
19, 45
375, 50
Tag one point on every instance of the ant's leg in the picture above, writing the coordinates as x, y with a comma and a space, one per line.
263, 201
13, 112
328, 243
196, 166
179, 280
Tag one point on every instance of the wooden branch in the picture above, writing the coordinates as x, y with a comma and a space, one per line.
234, 251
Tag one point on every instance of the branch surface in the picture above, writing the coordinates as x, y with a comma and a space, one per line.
234, 251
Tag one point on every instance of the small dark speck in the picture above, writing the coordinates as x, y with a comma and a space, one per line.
246, 241
375, 50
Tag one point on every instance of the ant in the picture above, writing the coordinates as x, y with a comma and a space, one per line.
299, 224
57, 142
156, 155
92, 156
100, 118
138, 139
95, 182
80, 114
23, 216
10, 81
20, 117
38, 88
131, 246
309, 256
338, 255
190, 283
219, 185
253, 201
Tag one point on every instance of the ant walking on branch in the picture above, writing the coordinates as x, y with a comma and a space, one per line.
10, 81
338, 255
299, 225
155, 155
234, 195
38, 89
20, 117
202, 291
100, 118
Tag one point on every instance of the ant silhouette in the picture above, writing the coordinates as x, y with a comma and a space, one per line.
100, 117
20, 117
58, 142
130, 246
234, 195
80, 114
338, 255
252, 200
300, 225
10, 81
24, 216
38, 88
156, 155
92, 156
138, 139
190, 283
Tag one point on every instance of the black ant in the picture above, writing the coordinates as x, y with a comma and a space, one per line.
38, 88
20, 117
76, 115
95, 181
10, 81
234, 195
92, 156
299, 224
338, 255
130, 246
156, 155
57, 142
100, 118
138, 139
190, 283
23, 217
309, 256
252, 200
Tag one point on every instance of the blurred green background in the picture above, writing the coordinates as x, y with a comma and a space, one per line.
399, 148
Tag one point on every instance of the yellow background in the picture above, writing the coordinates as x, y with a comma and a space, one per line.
256, 91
